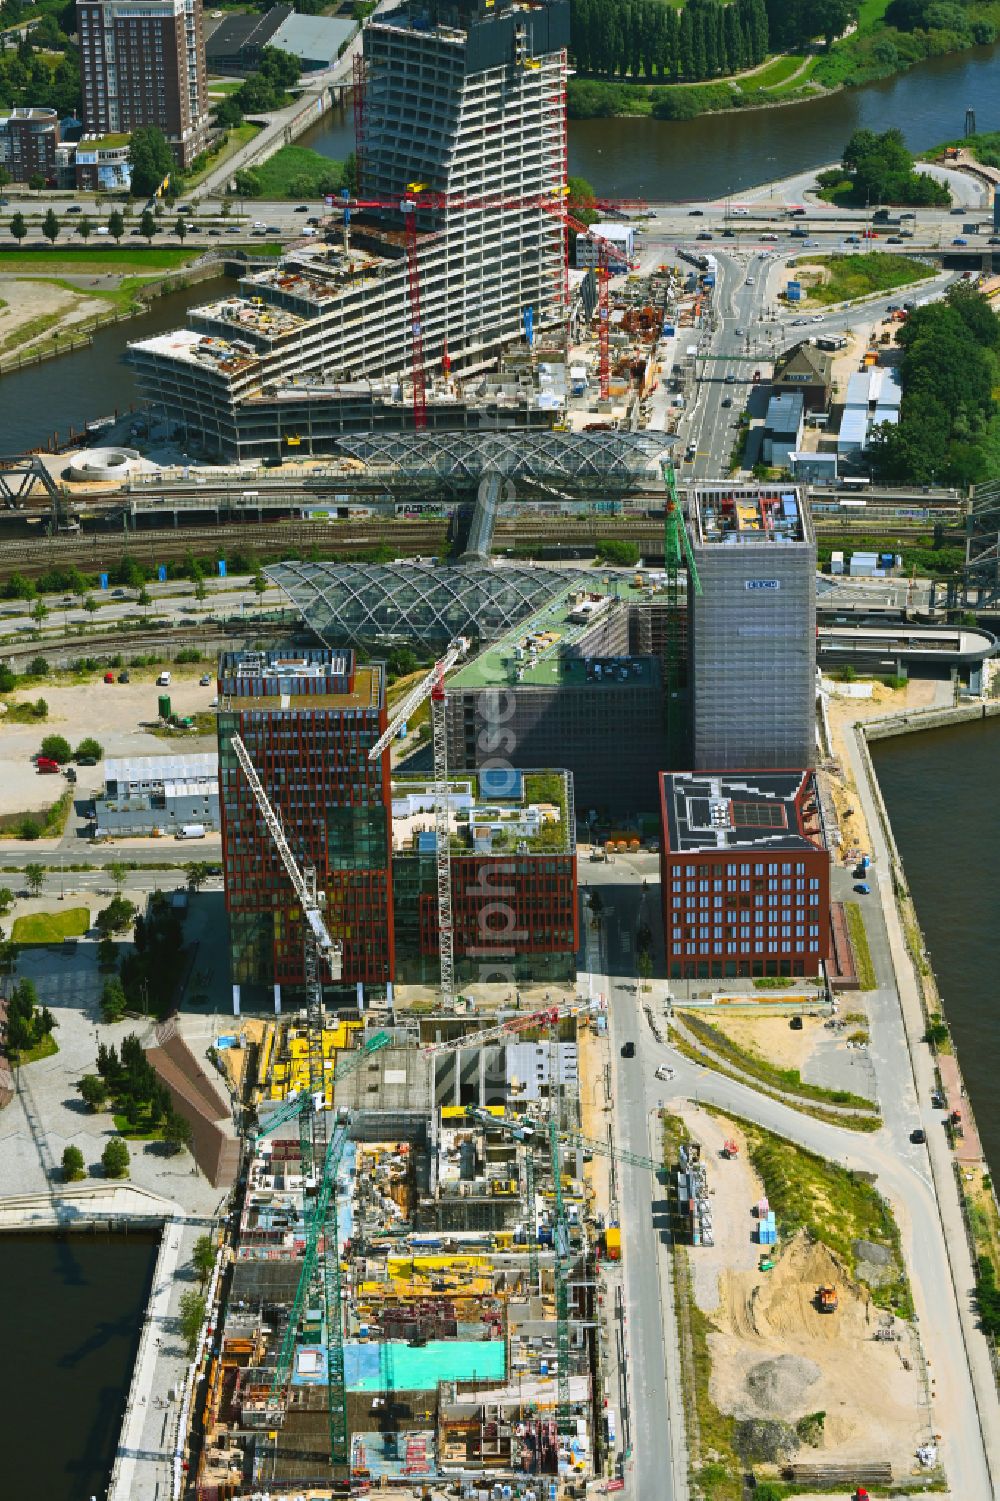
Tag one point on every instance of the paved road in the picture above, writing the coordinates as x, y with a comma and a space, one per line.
966, 1410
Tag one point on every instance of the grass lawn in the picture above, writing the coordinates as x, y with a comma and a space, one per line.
142, 1131
832, 1204
297, 164
109, 261
859, 943
224, 86
871, 13
854, 276
44, 1049
51, 927
237, 138
775, 72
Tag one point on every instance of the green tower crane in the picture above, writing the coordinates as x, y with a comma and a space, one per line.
677, 556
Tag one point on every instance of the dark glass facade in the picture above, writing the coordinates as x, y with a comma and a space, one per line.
308, 733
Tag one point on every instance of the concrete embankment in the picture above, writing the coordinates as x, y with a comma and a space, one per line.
925, 719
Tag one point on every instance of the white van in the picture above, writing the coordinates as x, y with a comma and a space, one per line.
163, 681
191, 831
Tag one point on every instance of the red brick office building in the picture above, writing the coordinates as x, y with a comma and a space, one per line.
745, 874
308, 719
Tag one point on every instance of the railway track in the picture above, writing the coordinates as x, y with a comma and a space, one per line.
103, 551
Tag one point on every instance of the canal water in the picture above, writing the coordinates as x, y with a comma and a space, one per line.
943, 798
724, 153
72, 1311
60, 395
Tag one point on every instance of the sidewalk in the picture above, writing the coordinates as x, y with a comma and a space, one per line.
945, 1188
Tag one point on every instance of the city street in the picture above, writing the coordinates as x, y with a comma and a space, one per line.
965, 1402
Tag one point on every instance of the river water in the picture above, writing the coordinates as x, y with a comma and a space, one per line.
719, 154
941, 792
72, 1311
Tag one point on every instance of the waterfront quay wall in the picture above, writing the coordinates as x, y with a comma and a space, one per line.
923, 719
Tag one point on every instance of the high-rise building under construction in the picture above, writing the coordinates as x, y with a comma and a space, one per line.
463, 117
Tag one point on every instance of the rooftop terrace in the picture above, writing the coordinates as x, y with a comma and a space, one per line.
748, 514
740, 810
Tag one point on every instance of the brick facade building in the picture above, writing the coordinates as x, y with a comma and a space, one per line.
745, 874
308, 720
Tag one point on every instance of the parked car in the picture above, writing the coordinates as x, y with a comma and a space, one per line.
796, 1024
958, 240
863, 888
204, 680
123, 677
47, 766
109, 677
86, 760
70, 773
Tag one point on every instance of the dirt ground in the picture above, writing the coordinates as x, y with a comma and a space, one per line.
844, 711
111, 712
767, 1328
28, 299
772, 1038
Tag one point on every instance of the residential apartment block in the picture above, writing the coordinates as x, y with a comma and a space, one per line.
308, 720
142, 62
744, 873
467, 102
28, 141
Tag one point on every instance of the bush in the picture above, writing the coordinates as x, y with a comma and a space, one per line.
117, 917
38, 667
618, 553
73, 1168
56, 748
29, 828
115, 1158
192, 1312
90, 747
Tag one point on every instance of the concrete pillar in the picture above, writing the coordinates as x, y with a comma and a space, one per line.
236, 1000
388, 995
361, 995
277, 999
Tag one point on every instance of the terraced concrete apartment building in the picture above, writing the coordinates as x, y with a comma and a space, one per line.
464, 100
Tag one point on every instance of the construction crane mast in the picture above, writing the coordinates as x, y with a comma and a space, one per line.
677, 555
432, 686
318, 949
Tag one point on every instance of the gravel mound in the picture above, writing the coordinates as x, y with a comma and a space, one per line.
780, 1385
870, 1250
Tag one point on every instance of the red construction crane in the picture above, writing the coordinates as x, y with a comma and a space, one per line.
417, 197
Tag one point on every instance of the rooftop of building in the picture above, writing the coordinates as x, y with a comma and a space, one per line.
722, 811
539, 653
784, 413
804, 360
752, 515
191, 768
491, 812
879, 385
299, 679
113, 142
207, 351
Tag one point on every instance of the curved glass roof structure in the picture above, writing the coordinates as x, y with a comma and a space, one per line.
614, 461
352, 604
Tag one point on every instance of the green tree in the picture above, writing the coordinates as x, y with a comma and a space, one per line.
56, 748
93, 1091
203, 1257
116, 225
85, 228
181, 229
645, 962
117, 917
176, 1133
192, 1317
118, 871
19, 227
6, 900
73, 1167
39, 612
89, 747
199, 588
148, 226
197, 874
50, 226
115, 1158
114, 1002
34, 879
144, 599
90, 604
151, 160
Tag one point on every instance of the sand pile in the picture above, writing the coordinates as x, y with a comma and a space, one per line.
780, 1385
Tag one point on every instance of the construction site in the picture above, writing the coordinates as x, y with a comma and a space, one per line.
413, 1285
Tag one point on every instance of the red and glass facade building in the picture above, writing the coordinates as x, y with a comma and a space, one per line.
745, 874
308, 719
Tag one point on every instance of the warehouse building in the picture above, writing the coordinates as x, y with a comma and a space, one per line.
158, 795
752, 630
744, 874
